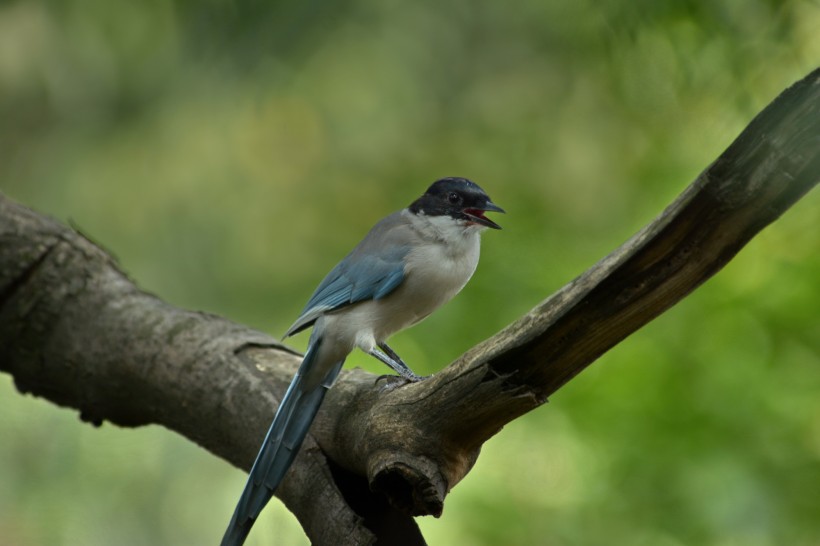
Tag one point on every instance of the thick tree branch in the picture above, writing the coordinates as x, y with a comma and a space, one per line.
75, 329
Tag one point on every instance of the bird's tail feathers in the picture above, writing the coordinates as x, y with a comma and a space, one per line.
282, 442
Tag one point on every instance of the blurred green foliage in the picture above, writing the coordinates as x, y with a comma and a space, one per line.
229, 153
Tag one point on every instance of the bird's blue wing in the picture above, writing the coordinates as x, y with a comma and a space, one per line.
361, 276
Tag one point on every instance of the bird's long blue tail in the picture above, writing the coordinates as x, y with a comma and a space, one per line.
282, 442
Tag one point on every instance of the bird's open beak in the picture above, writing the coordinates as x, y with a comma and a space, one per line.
477, 214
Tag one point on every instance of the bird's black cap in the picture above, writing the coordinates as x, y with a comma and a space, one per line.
458, 198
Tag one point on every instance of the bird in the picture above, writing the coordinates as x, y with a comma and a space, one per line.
409, 264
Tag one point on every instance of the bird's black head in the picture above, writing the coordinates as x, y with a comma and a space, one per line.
458, 198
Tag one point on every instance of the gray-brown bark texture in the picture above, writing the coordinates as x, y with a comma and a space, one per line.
76, 330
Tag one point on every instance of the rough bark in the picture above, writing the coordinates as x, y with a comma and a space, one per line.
75, 330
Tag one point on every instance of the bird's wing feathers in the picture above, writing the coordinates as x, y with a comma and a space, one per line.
371, 271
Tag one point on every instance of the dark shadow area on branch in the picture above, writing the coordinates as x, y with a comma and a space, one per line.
390, 526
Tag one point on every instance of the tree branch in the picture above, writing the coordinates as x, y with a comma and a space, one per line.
75, 329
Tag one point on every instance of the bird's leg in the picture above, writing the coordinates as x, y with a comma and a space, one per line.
392, 354
395, 363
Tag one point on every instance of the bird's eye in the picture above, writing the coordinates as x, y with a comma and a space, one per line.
453, 198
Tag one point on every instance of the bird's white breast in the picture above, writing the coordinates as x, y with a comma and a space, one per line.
445, 262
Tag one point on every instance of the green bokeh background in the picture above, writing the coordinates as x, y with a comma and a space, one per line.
229, 153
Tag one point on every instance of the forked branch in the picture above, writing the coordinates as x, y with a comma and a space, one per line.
74, 329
